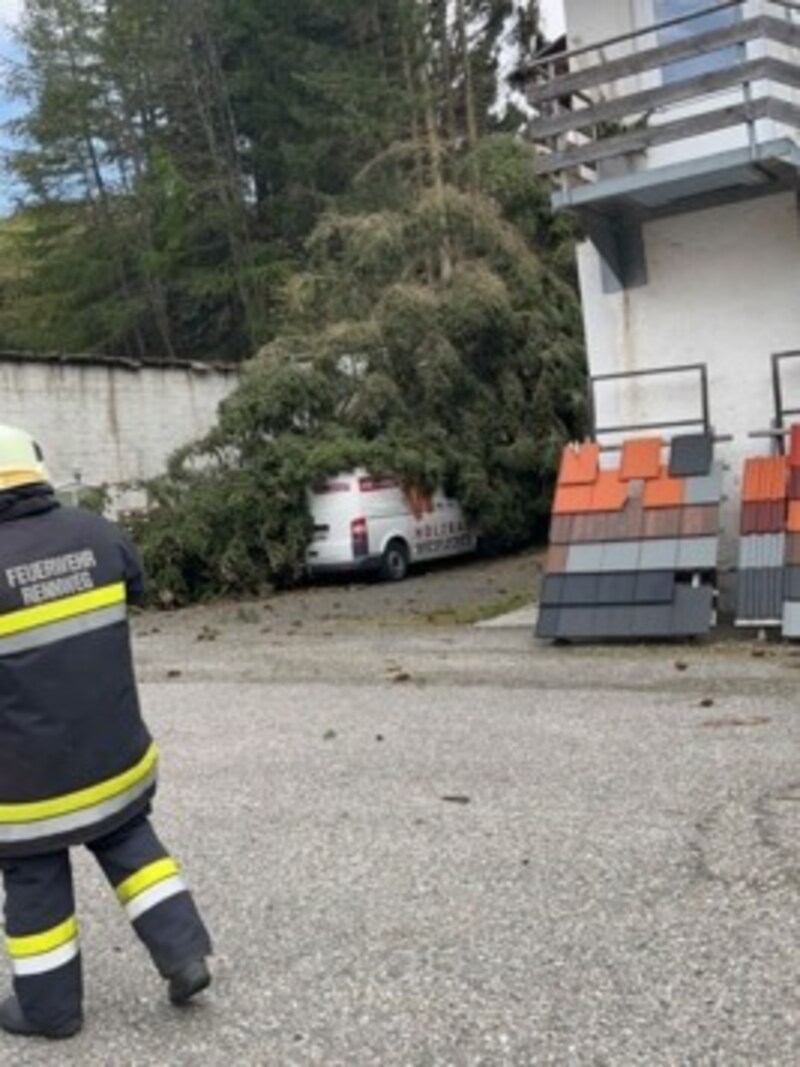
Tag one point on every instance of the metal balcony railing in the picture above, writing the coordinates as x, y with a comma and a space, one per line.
606, 104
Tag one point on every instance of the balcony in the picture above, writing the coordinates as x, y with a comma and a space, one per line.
633, 128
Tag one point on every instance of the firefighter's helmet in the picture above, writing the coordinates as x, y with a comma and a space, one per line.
21, 459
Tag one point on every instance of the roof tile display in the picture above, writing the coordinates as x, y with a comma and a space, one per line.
572, 499
794, 445
662, 522
579, 464
691, 455
704, 489
608, 492
641, 458
764, 479
759, 596
664, 492
633, 549
700, 520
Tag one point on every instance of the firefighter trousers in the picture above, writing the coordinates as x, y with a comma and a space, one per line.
42, 929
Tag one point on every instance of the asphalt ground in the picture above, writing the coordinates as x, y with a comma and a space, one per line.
431, 844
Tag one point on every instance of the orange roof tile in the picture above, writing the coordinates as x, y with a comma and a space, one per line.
579, 464
572, 499
608, 492
641, 458
664, 492
793, 521
764, 479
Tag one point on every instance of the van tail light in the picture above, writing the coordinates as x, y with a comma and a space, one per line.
360, 537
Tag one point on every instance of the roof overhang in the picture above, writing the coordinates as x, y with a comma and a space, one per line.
689, 185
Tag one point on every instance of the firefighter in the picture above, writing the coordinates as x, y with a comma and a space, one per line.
77, 764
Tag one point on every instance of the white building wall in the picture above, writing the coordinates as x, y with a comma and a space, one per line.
723, 289
110, 424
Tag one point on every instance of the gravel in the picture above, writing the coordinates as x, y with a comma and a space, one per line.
425, 844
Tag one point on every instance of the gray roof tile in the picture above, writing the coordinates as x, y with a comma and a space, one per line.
759, 596
705, 489
691, 455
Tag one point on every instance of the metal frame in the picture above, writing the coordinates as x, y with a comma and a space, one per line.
545, 61
703, 421
778, 358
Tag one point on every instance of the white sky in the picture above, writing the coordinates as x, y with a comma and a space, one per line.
551, 11
10, 10
552, 16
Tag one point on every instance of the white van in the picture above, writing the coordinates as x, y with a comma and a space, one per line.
363, 523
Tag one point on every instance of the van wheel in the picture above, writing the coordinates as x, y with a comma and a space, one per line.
394, 565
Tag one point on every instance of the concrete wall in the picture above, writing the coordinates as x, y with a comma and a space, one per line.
723, 289
110, 422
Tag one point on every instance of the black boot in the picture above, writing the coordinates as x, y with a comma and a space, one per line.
189, 980
14, 1022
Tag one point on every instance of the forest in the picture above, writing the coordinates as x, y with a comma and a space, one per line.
337, 194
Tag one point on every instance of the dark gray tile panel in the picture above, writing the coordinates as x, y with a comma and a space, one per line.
547, 623
552, 590
616, 588
655, 587
579, 590
791, 583
759, 596
598, 624
691, 455
693, 611
652, 620
578, 623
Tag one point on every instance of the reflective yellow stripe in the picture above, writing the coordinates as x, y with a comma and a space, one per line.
146, 877
83, 798
57, 610
35, 944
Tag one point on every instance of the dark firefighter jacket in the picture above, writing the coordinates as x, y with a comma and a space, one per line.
76, 759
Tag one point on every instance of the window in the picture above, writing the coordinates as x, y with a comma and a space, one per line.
714, 20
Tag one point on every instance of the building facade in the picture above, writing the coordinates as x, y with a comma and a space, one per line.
671, 129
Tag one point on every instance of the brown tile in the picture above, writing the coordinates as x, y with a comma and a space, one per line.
766, 516
634, 519
561, 529
793, 550
700, 520
582, 528
556, 562
794, 483
661, 522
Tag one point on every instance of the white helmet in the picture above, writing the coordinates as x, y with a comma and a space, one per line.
21, 459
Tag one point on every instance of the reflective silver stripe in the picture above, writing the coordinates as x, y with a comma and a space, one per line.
45, 961
156, 894
11, 833
49, 633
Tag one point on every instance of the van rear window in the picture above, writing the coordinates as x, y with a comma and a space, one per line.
332, 486
372, 485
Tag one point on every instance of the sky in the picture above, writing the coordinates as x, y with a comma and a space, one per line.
552, 16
